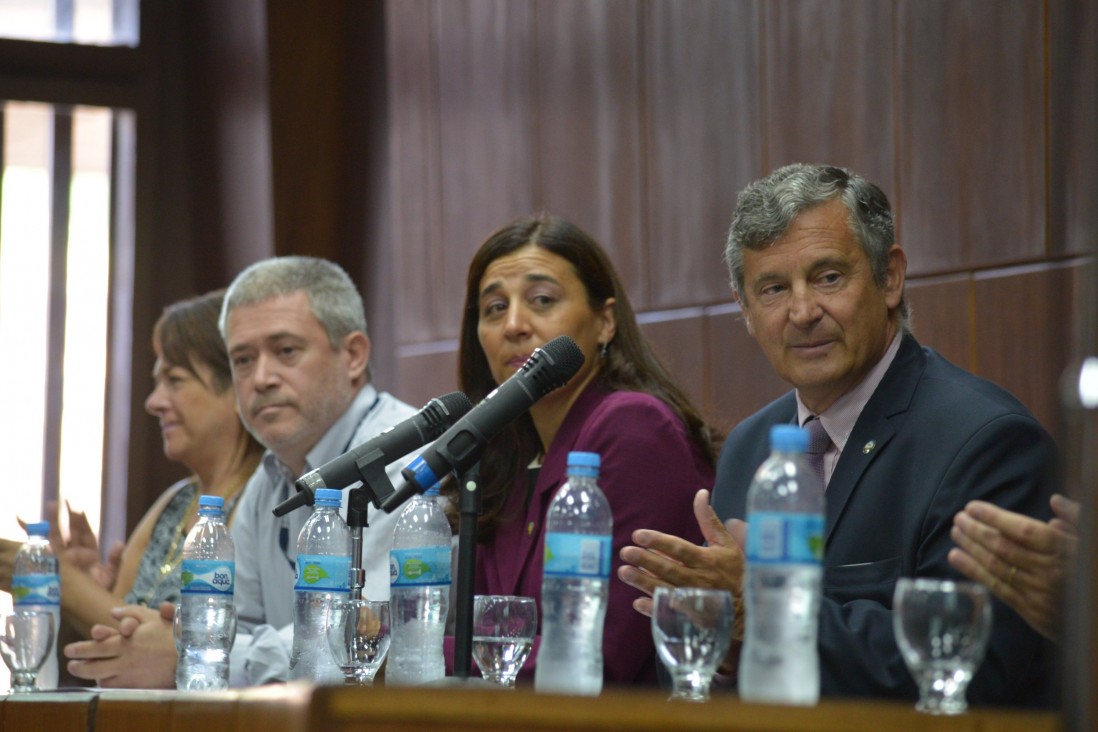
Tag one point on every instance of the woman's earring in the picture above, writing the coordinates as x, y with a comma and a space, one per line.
604, 349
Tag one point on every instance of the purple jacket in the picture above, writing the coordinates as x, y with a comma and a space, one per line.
650, 473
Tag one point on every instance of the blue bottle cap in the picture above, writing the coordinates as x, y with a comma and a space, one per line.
39, 528
433, 490
211, 502
788, 438
584, 464
584, 460
329, 497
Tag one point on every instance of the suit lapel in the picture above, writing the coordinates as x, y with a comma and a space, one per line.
875, 428
518, 553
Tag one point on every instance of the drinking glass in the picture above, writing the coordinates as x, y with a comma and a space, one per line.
941, 627
358, 634
692, 628
504, 627
25, 640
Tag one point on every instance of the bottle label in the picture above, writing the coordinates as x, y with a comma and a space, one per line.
577, 555
785, 538
420, 567
36, 589
208, 577
323, 573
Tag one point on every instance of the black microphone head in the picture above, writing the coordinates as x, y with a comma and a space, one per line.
551, 366
441, 412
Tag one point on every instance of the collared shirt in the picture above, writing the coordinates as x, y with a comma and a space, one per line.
266, 545
839, 419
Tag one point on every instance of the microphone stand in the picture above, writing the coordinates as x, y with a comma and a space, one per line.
357, 506
375, 488
469, 509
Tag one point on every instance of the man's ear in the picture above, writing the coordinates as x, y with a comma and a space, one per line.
356, 346
895, 276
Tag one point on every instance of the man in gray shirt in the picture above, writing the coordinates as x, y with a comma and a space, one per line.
296, 336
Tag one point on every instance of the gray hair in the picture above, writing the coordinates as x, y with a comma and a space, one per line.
333, 297
767, 208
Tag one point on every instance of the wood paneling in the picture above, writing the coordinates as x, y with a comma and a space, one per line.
1024, 333
294, 707
739, 378
47, 712
415, 203
679, 341
306, 52
487, 135
702, 122
941, 316
426, 372
588, 124
823, 59
133, 712
342, 709
970, 116
1073, 122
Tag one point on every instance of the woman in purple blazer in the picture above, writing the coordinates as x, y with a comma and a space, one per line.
531, 281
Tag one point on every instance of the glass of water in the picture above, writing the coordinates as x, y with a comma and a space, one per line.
25, 640
504, 627
358, 634
941, 627
692, 628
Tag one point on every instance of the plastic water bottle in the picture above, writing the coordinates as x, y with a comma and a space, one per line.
207, 618
36, 585
785, 536
323, 572
575, 584
419, 592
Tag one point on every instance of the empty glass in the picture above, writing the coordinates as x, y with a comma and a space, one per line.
941, 627
26, 639
358, 634
692, 628
504, 627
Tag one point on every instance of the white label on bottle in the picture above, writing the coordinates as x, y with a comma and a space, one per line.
323, 573
419, 567
785, 538
36, 589
208, 577
577, 555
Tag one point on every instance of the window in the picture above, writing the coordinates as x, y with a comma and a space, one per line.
99, 22
33, 333
61, 236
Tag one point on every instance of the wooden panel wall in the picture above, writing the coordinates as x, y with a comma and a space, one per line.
642, 120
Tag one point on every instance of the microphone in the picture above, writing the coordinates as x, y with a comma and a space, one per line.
397, 441
548, 368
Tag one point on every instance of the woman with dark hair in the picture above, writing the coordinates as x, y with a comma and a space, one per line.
193, 399
531, 281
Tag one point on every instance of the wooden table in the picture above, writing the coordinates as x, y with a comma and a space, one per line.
301, 708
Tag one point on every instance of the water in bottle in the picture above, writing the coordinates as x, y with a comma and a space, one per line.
419, 592
207, 618
36, 585
779, 662
323, 572
575, 583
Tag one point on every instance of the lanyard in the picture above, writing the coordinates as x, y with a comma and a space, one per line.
284, 529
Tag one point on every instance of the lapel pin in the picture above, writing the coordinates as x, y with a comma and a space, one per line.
869, 446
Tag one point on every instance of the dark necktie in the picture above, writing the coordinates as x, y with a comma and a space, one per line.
818, 442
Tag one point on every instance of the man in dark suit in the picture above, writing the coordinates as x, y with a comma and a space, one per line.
820, 279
